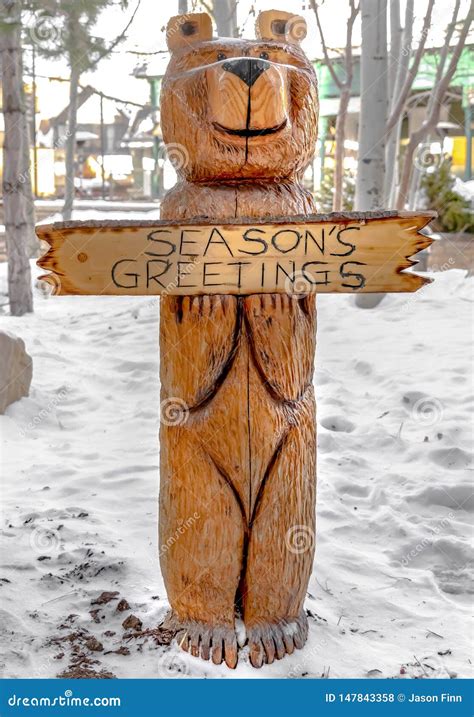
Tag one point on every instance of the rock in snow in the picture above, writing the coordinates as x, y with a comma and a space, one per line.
16, 370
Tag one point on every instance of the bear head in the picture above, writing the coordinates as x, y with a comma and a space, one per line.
235, 109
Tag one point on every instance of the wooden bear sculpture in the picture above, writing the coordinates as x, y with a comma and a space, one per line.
238, 465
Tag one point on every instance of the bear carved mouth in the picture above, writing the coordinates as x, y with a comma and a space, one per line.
250, 132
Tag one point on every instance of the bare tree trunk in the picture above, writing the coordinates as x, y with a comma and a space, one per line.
398, 64
183, 7
406, 74
69, 188
395, 47
373, 114
392, 172
15, 169
225, 15
408, 160
32, 243
340, 152
415, 183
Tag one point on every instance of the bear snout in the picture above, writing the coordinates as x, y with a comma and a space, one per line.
248, 69
248, 97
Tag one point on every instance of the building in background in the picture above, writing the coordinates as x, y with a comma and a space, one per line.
454, 130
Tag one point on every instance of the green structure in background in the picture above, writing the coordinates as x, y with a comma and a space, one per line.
461, 110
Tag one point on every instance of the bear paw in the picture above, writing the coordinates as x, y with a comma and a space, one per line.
214, 642
270, 641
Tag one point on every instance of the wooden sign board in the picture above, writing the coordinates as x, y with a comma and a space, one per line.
334, 253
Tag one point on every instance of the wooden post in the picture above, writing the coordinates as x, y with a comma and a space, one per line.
238, 258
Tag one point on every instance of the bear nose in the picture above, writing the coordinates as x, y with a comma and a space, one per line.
249, 70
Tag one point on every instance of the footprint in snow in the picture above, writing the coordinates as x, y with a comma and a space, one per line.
338, 424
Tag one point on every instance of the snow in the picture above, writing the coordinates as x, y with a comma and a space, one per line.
390, 592
464, 189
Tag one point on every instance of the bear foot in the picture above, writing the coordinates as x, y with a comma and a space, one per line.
270, 641
215, 642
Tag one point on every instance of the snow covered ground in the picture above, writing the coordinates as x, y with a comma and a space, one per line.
391, 590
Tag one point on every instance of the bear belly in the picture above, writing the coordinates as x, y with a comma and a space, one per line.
241, 428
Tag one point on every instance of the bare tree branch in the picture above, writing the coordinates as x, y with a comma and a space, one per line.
395, 47
207, 7
117, 40
327, 59
433, 116
447, 43
350, 28
344, 86
400, 102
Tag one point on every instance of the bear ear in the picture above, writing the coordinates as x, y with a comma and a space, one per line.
185, 30
280, 25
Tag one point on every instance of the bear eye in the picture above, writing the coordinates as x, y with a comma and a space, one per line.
264, 55
221, 56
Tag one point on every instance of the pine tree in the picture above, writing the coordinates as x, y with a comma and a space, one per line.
455, 213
